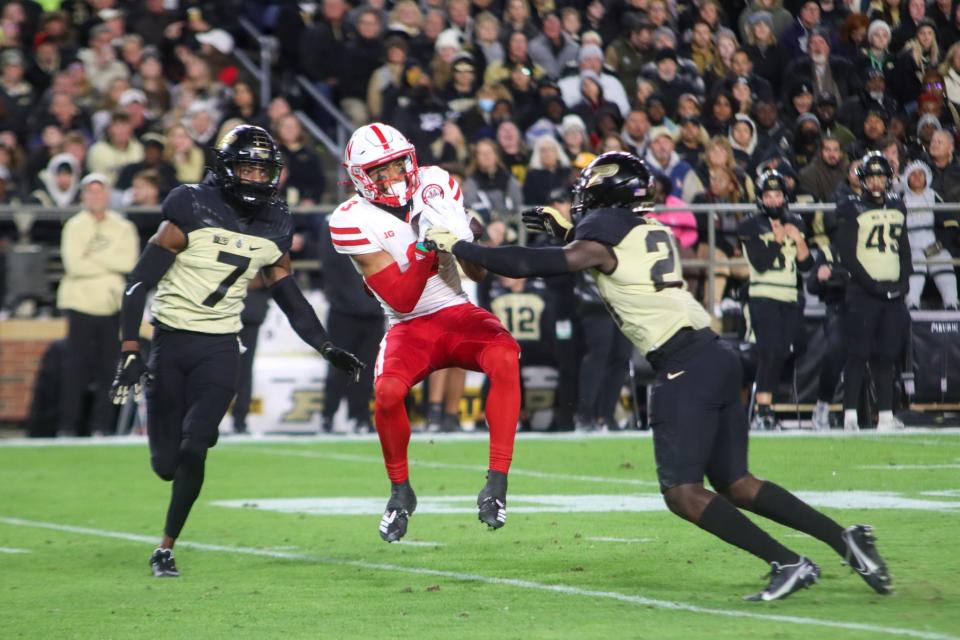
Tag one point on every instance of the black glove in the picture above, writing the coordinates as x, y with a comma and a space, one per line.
550, 220
343, 360
130, 370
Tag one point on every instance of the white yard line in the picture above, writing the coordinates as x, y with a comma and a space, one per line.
908, 467
587, 594
13, 550
626, 540
514, 471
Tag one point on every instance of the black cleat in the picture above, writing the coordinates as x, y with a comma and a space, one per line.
492, 501
863, 557
162, 564
787, 578
402, 504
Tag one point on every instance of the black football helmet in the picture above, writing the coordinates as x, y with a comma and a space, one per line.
613, 179
771, 180
874, 164
250, 145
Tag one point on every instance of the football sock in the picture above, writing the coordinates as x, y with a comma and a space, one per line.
723, 520
393, 426
882, 370
186, 487
502, 366
853, 380
776, 503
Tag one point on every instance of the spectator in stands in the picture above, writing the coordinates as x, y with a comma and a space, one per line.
153, 160
63, 112
459, 93
821, 178
479, 121
592, 102
718, 155
944, 168
742, 67
691, 140
59, 183
16, 94
117, 150
573, 133
590, 58
796, 39
743, 142
387, 78
242, 103
323, 44
489, 185
852, 36
553, 49
304, 185
517, 18
524, 95
876, 53
719, 109
779, 18
628, 54
99, 248
825, 108
683, 224
634, 133
924, 245
920, 54
726, 44
150, 79
487, 48
549, 170
184, 154
722, 188
447, 46
909, 24
517, 52
806, 140
950, 69
769, 60
100, 59
822, 71
872, 97
451, 149
662, 159
108, 104
364, 52
513, 150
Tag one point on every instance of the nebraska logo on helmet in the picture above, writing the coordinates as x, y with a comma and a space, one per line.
376, 144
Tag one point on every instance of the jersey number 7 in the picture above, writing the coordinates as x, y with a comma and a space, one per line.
240, 264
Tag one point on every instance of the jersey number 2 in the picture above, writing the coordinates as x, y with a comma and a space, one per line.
664, 271
240, 264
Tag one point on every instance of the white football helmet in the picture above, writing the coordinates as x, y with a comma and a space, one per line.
375, 144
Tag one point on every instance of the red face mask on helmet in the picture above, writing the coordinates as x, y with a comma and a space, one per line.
373, 145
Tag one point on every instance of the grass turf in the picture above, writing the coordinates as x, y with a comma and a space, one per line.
330, 575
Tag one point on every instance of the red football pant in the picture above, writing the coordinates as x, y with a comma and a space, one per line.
463, 336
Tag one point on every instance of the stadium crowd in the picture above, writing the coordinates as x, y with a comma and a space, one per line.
513, 98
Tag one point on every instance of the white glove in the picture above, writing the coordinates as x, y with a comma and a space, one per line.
441, 212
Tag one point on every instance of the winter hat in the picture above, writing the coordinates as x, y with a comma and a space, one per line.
761, 16
926, 119
570, 122
804, 117
590, 51
877, 25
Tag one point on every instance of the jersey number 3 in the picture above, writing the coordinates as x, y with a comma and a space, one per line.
240, 264
664, 272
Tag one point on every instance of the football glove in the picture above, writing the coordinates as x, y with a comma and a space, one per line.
440, 212
130, 370
550, 220
343, 360
442, 239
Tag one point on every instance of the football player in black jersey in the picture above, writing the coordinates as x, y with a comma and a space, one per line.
215, 237
699, 424
775, 248
875, 250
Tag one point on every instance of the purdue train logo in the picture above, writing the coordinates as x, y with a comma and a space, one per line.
602, 171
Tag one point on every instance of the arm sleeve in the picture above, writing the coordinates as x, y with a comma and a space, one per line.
402, 289
153, 263
301, 315
515, 262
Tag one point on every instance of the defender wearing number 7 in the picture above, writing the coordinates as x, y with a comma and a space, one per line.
215, 237
699, 424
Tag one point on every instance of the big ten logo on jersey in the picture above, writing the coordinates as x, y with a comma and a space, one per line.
431, 192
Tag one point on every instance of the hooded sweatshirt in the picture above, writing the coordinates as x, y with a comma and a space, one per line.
920, 222
48, 178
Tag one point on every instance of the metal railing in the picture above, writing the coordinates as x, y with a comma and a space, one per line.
25, 215
260, 69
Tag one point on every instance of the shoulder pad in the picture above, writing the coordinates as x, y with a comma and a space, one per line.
180, 208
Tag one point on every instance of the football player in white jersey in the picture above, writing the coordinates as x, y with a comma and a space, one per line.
432, 324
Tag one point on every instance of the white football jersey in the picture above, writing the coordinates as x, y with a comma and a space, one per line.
358, 227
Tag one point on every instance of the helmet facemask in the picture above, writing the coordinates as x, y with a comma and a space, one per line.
393, 191
250, 193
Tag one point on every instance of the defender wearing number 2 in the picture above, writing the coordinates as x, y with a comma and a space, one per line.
699, 424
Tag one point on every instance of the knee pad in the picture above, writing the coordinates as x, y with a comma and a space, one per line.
390, 392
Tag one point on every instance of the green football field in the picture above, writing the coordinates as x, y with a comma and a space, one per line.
283, 543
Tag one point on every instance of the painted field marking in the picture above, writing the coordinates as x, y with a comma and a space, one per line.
514, 471
908, 467
13, 550
493, 580
624, 540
